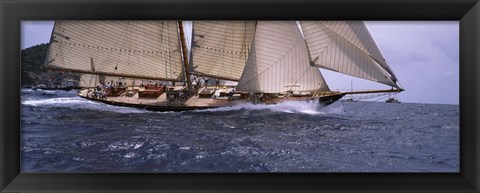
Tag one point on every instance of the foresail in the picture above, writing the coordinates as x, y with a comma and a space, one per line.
141, 49
220, 48
346, 47
278, 61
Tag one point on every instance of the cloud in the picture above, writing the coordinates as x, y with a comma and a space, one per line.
424, 56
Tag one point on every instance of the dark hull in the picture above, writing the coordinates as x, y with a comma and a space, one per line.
325, 100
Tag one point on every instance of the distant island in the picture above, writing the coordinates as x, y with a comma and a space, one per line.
33, 73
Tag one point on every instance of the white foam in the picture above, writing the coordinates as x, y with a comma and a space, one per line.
26, 90
80, 103
53, 101
305, 107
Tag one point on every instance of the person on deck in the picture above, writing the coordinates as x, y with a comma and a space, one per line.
104, 95
201, 81
181, 95
230, 93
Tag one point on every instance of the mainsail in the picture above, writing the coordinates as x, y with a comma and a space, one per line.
137, 49
346, 47
220, 48
278, 61
92, 80
89, 80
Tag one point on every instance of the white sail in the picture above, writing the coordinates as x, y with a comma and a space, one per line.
346, 47
278, 61
89, 80
123, 80
220, 48
143, 49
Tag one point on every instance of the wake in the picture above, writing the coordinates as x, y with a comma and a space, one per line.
77, 103
298, 107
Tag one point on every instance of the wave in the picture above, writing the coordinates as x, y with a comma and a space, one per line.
302, 107
47, 91
70, 100
26, 90
53, 101
80, 103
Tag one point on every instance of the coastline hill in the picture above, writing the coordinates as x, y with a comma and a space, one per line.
33, 73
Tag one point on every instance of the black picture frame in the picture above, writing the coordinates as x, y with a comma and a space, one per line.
465, 11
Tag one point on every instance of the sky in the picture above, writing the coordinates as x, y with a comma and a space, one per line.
424, 56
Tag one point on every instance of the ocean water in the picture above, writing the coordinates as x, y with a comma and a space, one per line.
61, 132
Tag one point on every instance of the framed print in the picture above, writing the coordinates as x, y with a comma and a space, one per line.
239, 96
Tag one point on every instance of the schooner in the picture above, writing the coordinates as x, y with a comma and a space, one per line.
158, 66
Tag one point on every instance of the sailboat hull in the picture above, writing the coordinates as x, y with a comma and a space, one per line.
195, 103
327, 100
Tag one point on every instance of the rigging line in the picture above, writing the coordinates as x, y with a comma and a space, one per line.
349, 42
128, 53
223, 43
381, 97
123, 42
167, 47
306, 70
60, 47
101, 40
179, 39
245, 39
275, 63
231, 47
339, 35
335, 37
343, 106
108, 55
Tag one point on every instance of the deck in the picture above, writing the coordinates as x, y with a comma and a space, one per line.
218, 99
162, 100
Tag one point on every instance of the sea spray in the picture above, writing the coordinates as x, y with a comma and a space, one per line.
304, 107
77, 103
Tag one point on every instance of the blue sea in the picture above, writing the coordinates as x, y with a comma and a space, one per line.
61, 132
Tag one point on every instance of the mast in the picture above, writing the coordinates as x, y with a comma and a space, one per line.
185, 58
